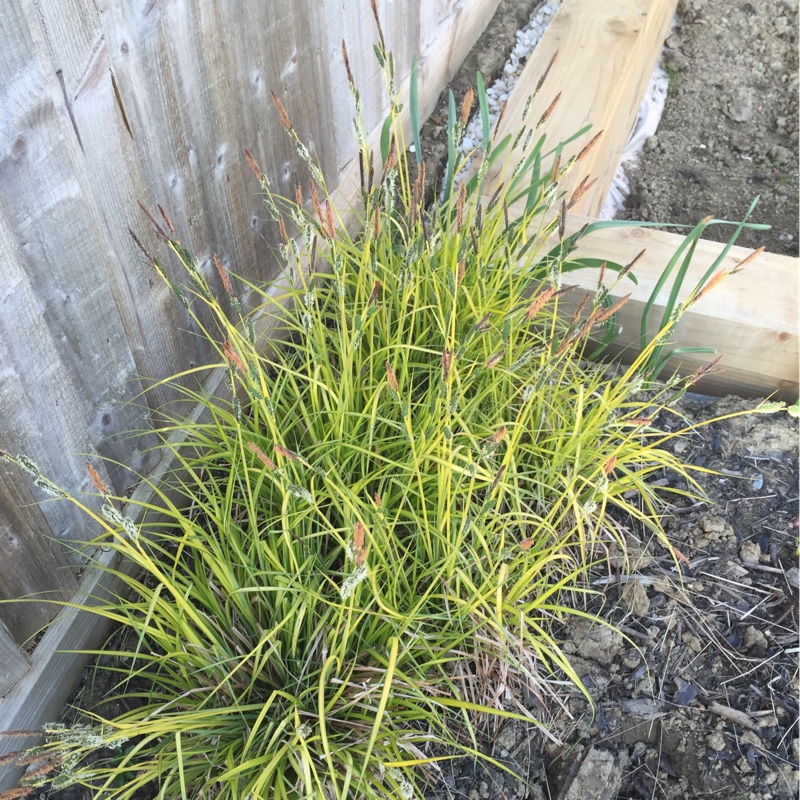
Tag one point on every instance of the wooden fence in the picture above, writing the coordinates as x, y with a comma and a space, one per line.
107, 103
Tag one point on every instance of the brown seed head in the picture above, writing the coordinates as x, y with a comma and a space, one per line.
556, 168
377, 499
545, 73
232, 356
526, 543
167, 220
707, 369
499, 435
580, 191
97, 480
283, 116
159, 229
447, 359
391, 159
347, 65
262, 456
612, 309
500, 117
475, 245
140, 245
494, 359
579, 309
286, 453
374, 294
497, 478
417, 192
550, 109
9, 757
483, 325
298, 195
223, 276
608, 467
374, 7
462, 269
315, 203
745, 261
462, 196
282, 229
466, 105
539, 302
391, 378
586, 150
359, 536
628, 267
254, 166
15, 794
330, 226
713, 281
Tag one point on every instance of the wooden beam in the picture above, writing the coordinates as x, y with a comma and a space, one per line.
750, 318
606, 54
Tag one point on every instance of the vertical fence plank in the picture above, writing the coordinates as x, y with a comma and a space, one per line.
32, 564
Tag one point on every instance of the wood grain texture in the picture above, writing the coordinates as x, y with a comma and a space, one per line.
14, 663
750, 319
606, 55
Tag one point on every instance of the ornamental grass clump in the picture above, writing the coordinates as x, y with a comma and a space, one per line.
370, 534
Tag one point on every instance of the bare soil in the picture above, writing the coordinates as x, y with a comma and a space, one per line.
729, 131
695, 694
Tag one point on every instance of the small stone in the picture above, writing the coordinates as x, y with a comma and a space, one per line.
599, 778
749, 552
716, 741
593, 641
634, 598
712, 529
692, 642
755, 641
650, 144
780, 155
466, 144
741, 105
680, 445
631, 659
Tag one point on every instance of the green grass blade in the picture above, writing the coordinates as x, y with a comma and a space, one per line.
413, 100
483, 105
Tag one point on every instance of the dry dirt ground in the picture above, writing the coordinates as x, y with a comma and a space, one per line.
729, 131
697, 696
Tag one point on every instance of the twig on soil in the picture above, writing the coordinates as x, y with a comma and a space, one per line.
732, 715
